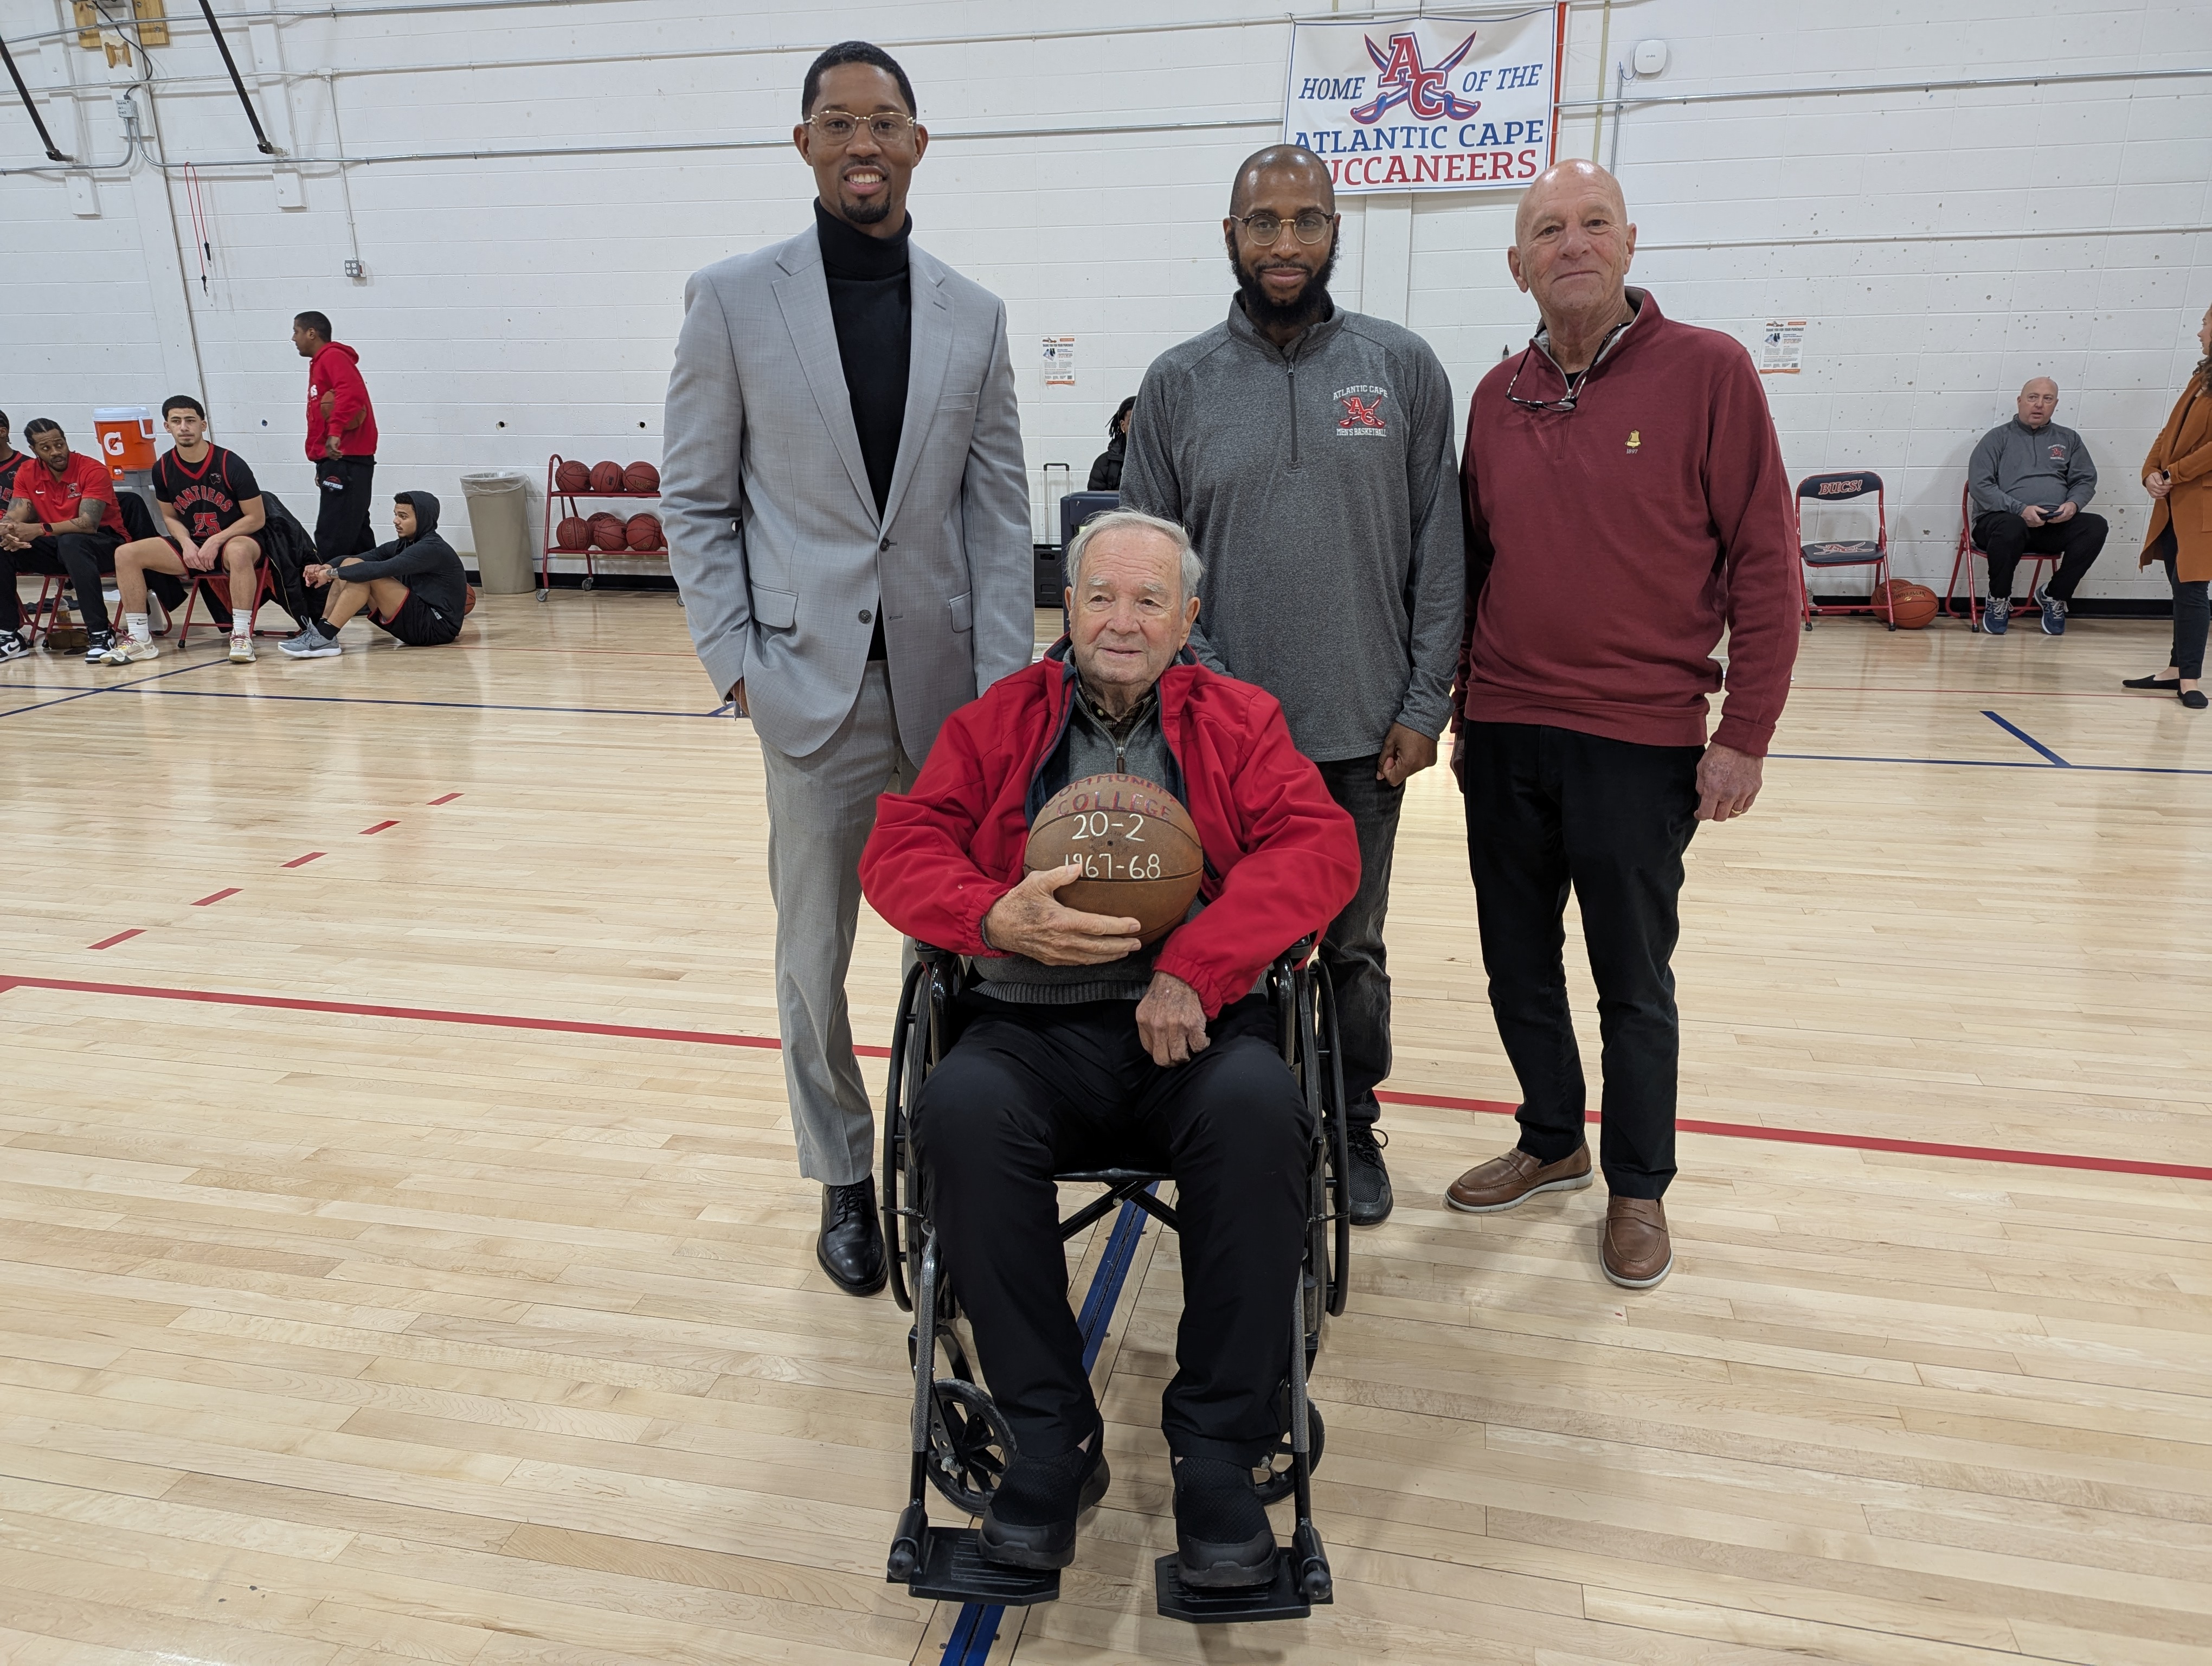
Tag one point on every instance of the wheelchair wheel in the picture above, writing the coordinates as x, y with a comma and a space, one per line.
904, 1067
1336, 1152
970, 1443
1274, 1479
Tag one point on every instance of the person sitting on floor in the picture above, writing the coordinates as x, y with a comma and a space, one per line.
61, 518
2030, 479
1082, 1043
211, 505
414, 587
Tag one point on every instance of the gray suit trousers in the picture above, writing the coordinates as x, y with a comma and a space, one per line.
821, 809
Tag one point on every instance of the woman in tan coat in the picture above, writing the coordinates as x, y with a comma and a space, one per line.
2177, 474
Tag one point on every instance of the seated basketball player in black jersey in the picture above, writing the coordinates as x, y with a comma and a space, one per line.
211, 510
414, 587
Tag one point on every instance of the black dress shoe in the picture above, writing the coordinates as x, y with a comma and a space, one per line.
1368, 1185
1030, 1519
1223, 1539
851, 1247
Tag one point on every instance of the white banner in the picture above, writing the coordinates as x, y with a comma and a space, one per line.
1427, 103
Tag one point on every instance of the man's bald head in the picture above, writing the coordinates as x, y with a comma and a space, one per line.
1563, 182
1283, 164
2038, 399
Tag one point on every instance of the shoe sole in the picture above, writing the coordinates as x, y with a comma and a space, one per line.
1571, 1183
1637, 1284
312, 653
1226, 1567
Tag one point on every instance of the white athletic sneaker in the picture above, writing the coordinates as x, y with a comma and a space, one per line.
126, 651
242, 650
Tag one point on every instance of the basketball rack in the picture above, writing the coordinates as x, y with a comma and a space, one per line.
559, 505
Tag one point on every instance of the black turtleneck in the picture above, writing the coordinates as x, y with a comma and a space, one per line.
872, 308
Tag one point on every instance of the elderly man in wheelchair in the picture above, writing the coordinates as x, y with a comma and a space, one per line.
1079, 1046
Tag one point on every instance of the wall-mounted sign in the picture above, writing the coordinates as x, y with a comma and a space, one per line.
1781, 348
1059, 362
1427, 103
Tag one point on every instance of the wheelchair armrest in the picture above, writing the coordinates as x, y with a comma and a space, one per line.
938, 959
1296, 955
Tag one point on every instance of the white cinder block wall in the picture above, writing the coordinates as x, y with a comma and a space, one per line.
1944, 244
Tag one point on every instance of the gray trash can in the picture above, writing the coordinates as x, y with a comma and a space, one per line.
499, 521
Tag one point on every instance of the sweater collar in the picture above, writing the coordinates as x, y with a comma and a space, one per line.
849, 251
1309, 342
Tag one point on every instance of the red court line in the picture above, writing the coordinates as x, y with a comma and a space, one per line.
302, 861
769, 1043
448, 799
378, 828
119, 936
217, 897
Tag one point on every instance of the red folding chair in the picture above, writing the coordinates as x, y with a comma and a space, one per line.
40, 619
1963, 562
1830, 554
265, 586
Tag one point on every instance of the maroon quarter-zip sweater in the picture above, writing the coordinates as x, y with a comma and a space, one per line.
1608, 546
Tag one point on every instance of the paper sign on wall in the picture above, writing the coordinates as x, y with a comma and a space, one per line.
1782, 348
1427, 103
1059, 362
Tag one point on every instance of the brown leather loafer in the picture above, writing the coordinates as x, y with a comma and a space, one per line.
1637, 1252
1505, 1180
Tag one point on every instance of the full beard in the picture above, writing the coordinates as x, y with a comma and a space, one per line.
1310, 307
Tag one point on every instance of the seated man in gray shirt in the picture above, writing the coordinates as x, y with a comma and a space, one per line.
2030, 480
414, 587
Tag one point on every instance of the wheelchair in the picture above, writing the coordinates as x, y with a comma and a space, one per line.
963, 1443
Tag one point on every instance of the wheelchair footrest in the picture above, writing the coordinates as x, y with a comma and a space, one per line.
953, 1570
1280, 1598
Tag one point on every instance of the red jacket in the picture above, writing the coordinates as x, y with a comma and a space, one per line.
1281, 858
333, 372
1617, 540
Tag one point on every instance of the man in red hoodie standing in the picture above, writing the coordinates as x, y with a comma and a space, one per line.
341, 440
1625, 504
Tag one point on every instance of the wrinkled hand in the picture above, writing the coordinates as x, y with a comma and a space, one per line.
1727, 783
1406, 752
737, 698
2159, 484
1170, 1021
2032, 515
1030, 920
2064, 512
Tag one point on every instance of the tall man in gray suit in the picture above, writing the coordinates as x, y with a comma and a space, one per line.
847, 514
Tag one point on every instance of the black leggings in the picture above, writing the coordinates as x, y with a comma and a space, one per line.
2192, 611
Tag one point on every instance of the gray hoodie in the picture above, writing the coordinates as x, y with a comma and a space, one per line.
1321, 489
2015, 465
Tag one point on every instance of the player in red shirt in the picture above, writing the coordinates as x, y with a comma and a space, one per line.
211, 507
341, 440
61, 518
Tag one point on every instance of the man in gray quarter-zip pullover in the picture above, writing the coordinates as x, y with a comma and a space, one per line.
2029, 482
1309, 450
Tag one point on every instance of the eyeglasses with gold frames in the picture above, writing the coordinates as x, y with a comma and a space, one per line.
838, 126
1263, 229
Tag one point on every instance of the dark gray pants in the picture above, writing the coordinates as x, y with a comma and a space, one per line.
83, 556
1352, 948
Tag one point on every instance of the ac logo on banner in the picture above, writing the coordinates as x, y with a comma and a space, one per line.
1427, 103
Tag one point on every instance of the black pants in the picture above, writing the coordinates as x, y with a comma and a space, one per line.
83, 556
2005, 538
1029, 1090
1546, 809
2193, 610
346, 487
1352, 948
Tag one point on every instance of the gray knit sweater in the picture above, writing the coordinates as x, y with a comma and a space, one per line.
1321, 489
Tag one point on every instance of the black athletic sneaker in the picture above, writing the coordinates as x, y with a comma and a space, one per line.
1369, 1181
98, 646
1030, 1519
11, 646
1223, 1538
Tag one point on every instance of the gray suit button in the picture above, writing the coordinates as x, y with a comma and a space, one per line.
867, 617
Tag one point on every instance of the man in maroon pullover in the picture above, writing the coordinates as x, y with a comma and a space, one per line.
341, 440
1626, 502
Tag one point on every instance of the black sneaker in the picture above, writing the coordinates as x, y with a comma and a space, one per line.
98, 646
1369, 1183
1223, 1538
11, 646
1030, 1519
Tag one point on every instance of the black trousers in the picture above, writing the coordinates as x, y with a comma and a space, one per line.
1549, 808
83, 556
1029, 1090
2193, 610
2005, 538
347, 487
1351, 947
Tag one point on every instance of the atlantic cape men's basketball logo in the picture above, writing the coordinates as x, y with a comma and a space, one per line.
1427, 102
1363, 410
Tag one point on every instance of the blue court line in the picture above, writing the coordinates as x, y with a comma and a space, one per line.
109, 688
2020, 734
1992, 763
977, 1626
445, 705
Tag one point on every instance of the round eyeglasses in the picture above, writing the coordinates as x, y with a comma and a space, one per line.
1263, 229
838, 126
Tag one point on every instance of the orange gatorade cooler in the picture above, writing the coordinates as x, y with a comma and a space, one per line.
126, 438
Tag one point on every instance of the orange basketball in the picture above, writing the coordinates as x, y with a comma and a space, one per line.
574, 532
1912, 605
1140, 854
572, 476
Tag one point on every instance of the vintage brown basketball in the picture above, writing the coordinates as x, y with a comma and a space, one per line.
1140, 856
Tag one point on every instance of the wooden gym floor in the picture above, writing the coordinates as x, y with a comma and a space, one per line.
402, 1258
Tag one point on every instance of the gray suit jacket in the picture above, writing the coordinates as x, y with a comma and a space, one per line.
773, 534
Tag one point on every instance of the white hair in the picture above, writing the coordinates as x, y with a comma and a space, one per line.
1114, 520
